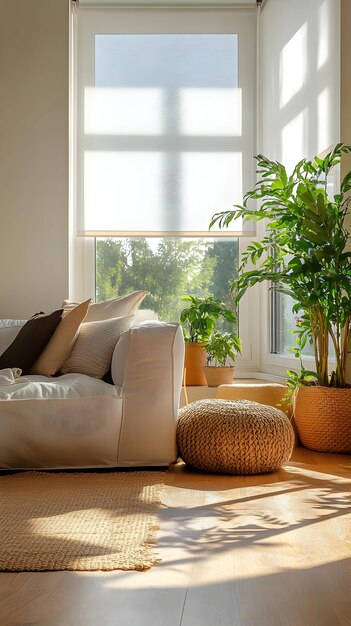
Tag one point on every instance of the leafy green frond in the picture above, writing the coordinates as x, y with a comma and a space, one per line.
304, 253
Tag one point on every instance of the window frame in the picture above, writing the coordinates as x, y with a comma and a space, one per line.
82, 249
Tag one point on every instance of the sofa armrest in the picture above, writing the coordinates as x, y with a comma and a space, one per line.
147, 369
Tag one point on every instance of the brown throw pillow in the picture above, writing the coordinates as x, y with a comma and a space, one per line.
30, 341
61, 343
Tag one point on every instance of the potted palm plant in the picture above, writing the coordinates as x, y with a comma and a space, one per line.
198, 321
221, 351
306, 255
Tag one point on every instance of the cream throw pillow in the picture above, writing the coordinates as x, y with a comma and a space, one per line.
124, 305
92, 352
61, 343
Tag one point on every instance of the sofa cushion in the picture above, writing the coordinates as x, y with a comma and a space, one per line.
92, 352
61, 343
63, 422
69, 386
30, 341
119, 307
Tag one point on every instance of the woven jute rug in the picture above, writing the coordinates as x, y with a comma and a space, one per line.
78, 521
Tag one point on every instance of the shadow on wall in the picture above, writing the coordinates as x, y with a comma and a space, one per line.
300, 83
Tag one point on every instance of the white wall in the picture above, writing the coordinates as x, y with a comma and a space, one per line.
300, 99
34, 71
299, 77
346, 104
346, 80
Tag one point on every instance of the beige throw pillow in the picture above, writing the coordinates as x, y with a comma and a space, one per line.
92, 352
124, 305
61, 343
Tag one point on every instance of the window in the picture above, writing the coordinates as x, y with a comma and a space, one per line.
283, 323
168, 268
154, 101
165, 117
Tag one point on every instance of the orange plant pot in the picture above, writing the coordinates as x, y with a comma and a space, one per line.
323, 418
216, 376
195, 359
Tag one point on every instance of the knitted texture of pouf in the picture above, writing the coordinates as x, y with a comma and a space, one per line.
234, 436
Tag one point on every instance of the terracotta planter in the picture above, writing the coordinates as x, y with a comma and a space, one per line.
216, 376
323, 418
195, 359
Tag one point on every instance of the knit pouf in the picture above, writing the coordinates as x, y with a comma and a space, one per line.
234, 436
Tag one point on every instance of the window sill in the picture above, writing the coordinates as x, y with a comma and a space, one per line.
203, 392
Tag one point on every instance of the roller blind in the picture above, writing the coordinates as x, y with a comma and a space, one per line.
167, 3
165, 120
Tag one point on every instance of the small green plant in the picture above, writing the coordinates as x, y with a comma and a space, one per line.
199, 318
221, 347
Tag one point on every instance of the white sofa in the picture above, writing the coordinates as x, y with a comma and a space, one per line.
75, 421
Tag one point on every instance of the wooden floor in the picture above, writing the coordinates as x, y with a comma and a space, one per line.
271, 550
